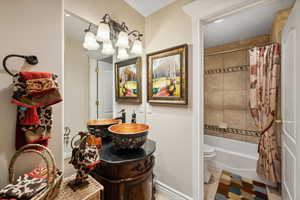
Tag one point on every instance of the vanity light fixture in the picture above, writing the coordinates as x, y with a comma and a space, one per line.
137, 46
123, 40
108, 48
113, 35
103, 33
122, 53
90, 42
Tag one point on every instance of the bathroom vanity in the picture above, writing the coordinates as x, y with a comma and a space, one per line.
127, 174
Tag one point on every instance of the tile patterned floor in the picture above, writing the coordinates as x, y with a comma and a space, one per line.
237, 187
210, 189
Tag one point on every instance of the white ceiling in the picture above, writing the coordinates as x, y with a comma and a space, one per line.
243, 25
148, 7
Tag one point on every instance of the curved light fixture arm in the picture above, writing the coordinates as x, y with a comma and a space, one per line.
136, 34
124, 27
89, 28
119, 27
105, 19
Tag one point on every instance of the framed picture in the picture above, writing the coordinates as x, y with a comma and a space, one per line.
128, 81
167, 75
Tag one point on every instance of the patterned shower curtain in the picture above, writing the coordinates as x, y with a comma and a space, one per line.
264, 68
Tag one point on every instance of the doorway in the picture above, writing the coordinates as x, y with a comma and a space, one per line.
101, 92
231, 137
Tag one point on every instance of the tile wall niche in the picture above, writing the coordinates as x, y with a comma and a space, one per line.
227, 91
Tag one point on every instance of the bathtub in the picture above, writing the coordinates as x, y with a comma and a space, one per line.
234, 156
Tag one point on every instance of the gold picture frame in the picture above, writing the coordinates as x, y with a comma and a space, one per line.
167, 76
128, 88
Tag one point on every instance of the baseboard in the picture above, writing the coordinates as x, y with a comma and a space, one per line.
170, 193
285, 192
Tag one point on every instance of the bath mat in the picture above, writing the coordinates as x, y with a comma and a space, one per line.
235, 187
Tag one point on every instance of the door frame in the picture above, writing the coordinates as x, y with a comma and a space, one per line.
289, 142
202, 13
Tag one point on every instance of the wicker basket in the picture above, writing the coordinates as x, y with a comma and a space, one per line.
54, 180
94, 191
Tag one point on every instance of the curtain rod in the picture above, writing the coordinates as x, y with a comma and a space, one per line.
235, 50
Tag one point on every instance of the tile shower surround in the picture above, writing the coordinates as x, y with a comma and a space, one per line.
227, 70
232, 130
251, 136
227, 97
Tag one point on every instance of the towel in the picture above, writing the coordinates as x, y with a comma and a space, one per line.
34, 93
25, 188
28, 185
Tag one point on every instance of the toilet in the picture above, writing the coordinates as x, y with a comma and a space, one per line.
209, 154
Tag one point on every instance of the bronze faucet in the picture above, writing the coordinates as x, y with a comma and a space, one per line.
123, 117
133, 117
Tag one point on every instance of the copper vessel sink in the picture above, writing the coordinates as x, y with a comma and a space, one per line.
99, 127
103, 122
129, 135
128, 128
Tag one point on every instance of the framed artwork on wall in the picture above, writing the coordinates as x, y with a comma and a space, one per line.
128, 81
167, 73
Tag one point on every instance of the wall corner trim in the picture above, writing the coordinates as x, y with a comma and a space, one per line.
169, 192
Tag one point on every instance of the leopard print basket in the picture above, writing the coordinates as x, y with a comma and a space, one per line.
54, 180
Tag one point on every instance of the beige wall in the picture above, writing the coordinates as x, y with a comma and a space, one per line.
76, 83
29, 27
171, 126
168, 27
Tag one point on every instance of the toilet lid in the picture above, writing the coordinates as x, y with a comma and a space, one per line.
208, 149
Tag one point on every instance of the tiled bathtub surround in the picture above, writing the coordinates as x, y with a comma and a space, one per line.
227, 70
232, 133
226, 87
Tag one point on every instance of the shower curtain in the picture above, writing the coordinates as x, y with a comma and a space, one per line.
264, 68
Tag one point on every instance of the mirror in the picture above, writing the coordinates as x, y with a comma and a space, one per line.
88, 81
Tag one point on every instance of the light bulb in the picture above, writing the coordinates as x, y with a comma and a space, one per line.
137, 47
108, 48
123, 41
103, 33
122, 54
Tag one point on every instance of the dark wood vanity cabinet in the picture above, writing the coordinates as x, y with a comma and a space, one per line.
127, 176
